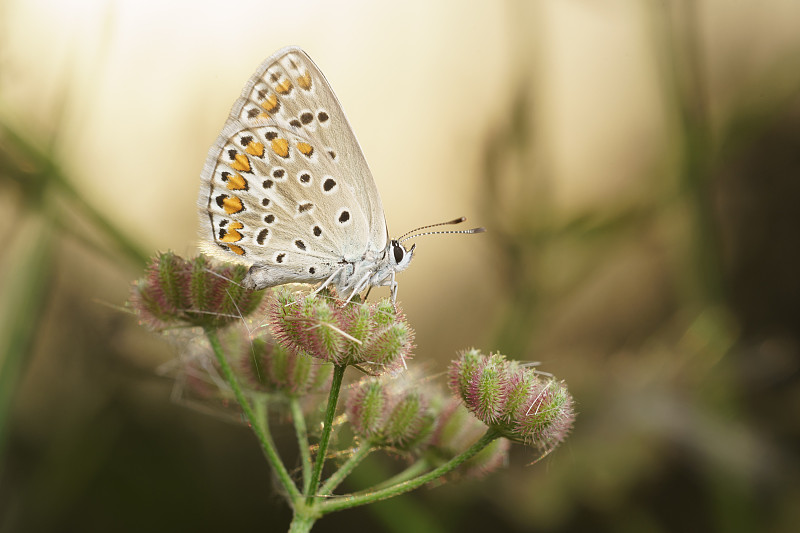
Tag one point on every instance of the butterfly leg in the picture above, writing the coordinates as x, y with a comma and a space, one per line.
360, 286
328, 281
393, 289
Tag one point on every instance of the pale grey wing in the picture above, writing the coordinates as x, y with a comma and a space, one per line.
289, 89
267, 201
282, 187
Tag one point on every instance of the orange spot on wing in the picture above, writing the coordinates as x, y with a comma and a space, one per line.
305, 148
232, 235
280, 147
237, 182
270, 103
255, 148
232, 205
284, 87
304, 81
236, 249
241, 163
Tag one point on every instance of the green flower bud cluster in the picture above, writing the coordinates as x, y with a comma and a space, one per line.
513, 399
195, 292
375, 337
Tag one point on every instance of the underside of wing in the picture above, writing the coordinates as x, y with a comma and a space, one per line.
286, 179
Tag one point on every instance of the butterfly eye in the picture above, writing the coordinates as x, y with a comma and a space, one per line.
398, 252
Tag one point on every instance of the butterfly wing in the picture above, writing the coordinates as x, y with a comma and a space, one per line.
286, 184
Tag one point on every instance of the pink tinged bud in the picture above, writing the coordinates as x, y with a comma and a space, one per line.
409, 421
300, 373
359, 324
385, 313
271, 368
513, 400
462, 371
323, 339
520, 385
389, 414
304, 325
373, 336
366, 407
388, 346
178, 292
547, 418
486, 391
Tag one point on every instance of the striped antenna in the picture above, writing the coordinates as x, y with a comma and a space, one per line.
411, 234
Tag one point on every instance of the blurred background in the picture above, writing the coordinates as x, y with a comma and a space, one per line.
636, 163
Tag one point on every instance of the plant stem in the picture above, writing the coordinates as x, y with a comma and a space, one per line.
413, 470
346, 502
338, 476
330, 412
302, 522
261, 430
302, 441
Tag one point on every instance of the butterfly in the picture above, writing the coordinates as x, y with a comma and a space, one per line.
286, 189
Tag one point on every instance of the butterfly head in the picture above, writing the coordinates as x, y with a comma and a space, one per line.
399, 256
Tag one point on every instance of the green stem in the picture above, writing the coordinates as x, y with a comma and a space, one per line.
261, 411
260, 429
302, 441
330, 412
413, 470
347, 502
302, 522
338, 476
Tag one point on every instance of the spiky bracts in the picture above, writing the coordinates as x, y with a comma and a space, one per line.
391, 413
513, 399
376, 337
269, 367
194, 292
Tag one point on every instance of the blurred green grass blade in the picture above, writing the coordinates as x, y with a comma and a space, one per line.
51, 174
24, 294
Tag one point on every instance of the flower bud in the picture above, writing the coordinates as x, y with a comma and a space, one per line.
178, 292
374, 336
269, 367
366, 408
513, 400
389, 413
546, 416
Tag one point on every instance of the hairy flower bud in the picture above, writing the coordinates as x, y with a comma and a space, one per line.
269, 367
196, 292
512, 399
389, 413
374, 336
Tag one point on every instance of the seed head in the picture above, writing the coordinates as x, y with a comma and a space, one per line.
512, 399
194, 292
374, 336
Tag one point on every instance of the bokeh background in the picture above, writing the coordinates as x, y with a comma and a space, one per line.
637, 165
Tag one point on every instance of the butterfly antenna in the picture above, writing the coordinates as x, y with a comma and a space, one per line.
459, 220
411, 234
